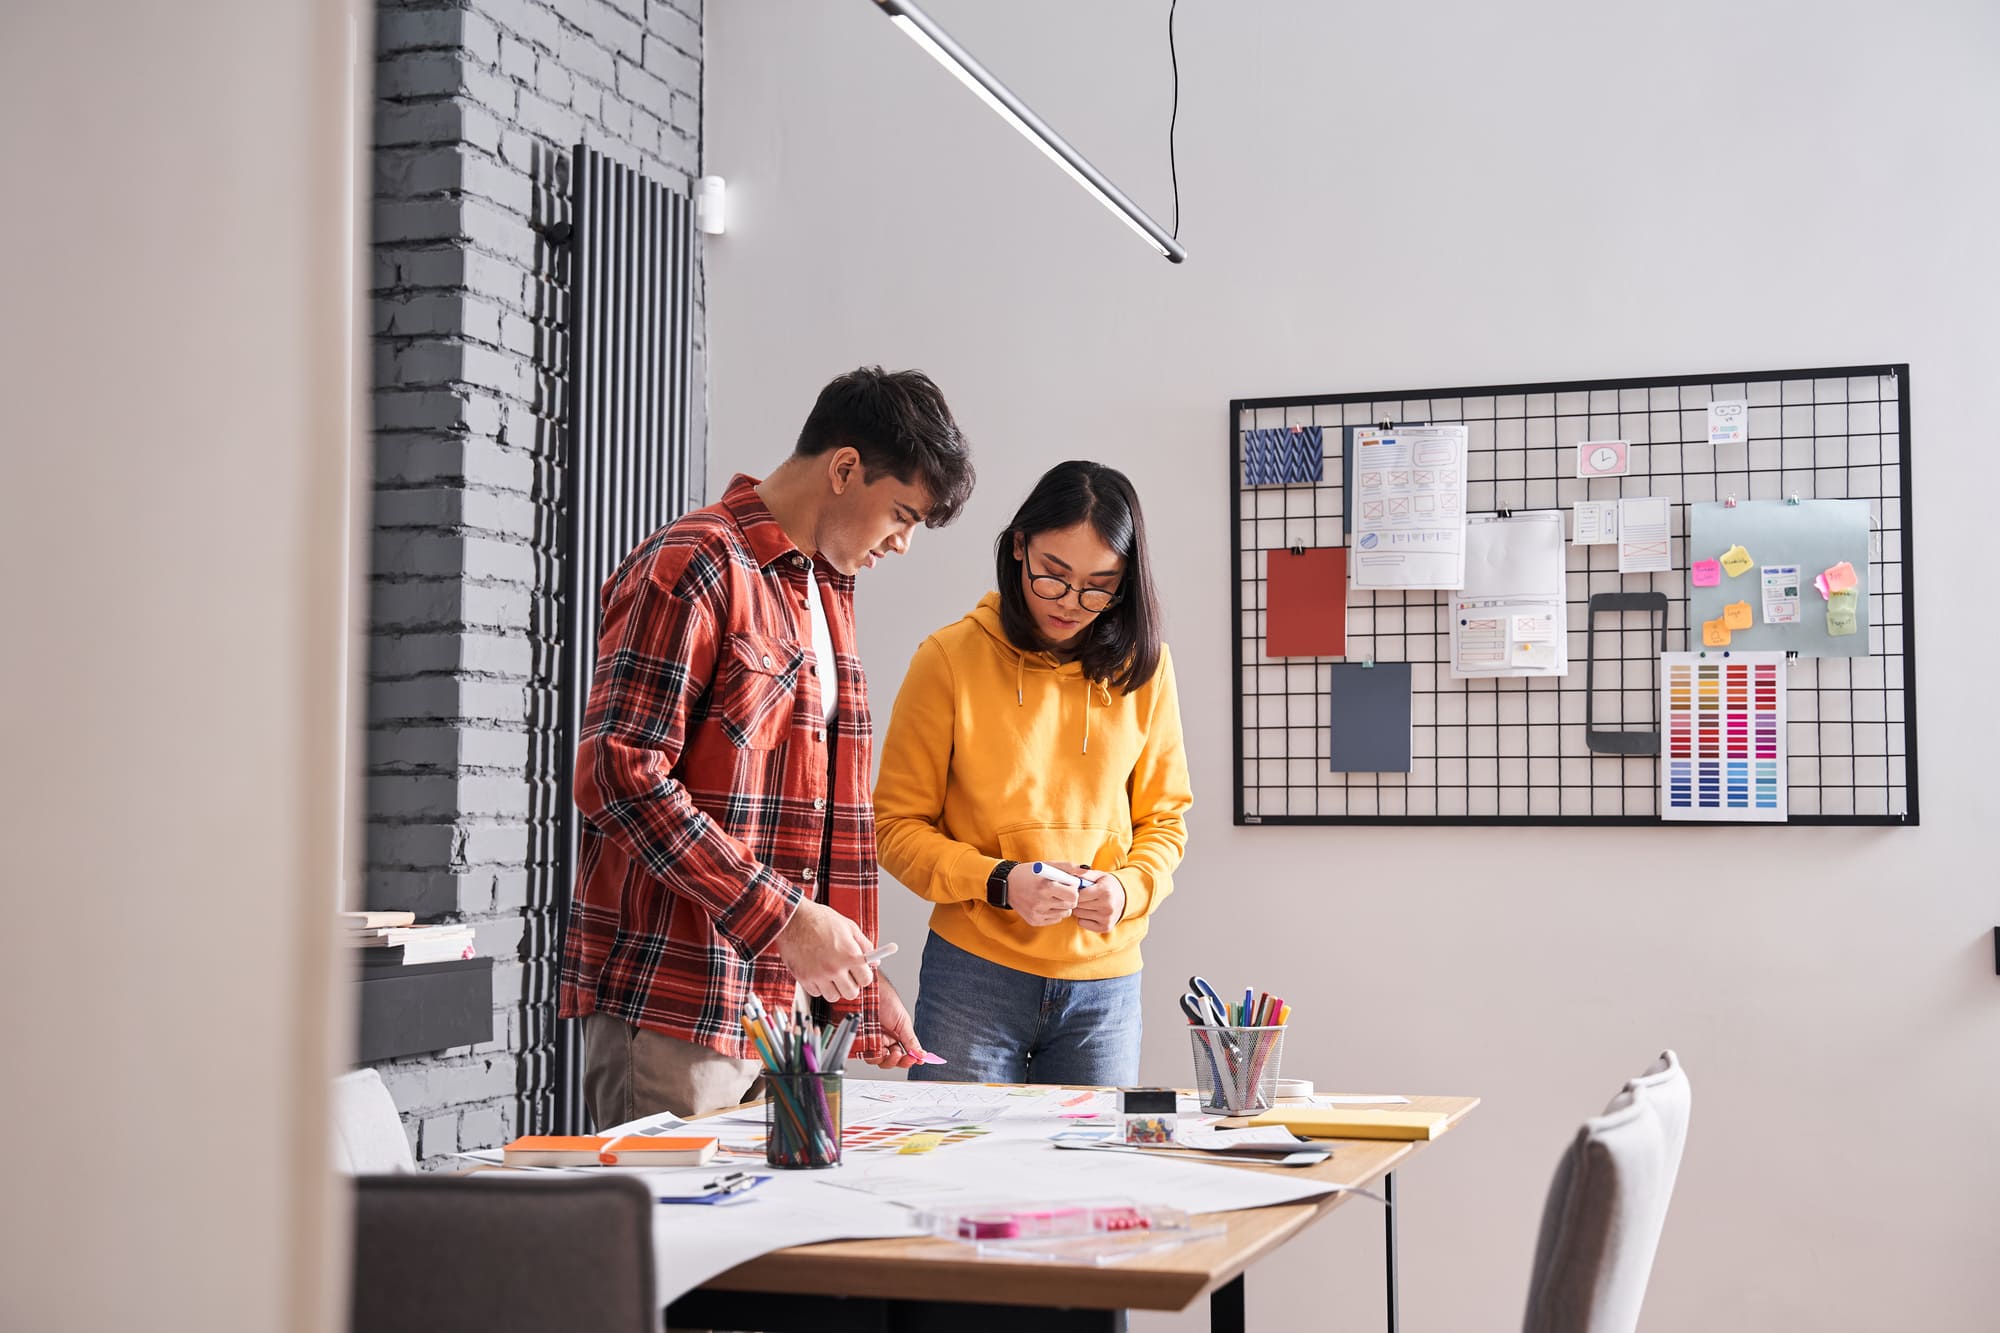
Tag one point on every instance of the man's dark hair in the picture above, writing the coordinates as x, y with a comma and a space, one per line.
899, 424
1122, 646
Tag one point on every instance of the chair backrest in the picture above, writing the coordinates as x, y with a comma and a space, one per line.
368, 1135
503, 1255
1606, 1208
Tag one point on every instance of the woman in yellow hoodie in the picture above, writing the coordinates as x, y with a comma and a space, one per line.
1042, 730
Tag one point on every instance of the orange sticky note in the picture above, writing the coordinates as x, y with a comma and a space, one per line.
1715, 634
1737, 616
1840, 577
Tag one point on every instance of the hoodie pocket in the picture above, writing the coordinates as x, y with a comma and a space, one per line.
756, 685
1084, 844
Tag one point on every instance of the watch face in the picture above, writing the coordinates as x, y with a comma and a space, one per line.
1602, 458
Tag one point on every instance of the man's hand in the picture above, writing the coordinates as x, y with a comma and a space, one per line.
826, 952
900, 1048
1041, 900
1100, 902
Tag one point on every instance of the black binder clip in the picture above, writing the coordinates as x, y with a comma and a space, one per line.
1384, 425
1504, 513
1297, 548
1791, 656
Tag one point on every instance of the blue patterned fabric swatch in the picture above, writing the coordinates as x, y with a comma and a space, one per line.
1282, 457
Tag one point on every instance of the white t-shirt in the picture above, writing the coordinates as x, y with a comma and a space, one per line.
822, 645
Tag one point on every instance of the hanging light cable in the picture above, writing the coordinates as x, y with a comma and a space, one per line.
934, 40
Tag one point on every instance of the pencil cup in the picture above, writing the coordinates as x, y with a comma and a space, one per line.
801, 1120
1236, 1069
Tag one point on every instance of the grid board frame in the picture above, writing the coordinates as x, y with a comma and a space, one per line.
1504, 751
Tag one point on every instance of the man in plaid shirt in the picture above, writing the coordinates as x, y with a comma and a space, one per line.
728, 843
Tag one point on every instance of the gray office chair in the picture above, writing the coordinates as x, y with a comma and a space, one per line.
485, 1254
1606, 1207
368, 1132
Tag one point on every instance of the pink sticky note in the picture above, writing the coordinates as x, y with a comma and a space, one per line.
1825, 592
930, 1059
1706, 573
1840, 577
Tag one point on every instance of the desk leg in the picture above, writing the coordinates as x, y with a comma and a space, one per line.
1225, 1307
1389, 1237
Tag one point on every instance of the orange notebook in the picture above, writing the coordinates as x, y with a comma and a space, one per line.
596, 1150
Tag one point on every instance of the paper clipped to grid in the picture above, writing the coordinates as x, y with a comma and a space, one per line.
1409, 508
1723, 748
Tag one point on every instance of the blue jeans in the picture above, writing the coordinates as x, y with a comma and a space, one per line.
996, 1025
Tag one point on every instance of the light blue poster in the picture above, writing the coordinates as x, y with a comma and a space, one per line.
1772, 600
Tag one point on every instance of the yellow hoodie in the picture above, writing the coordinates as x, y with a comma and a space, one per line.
997, 754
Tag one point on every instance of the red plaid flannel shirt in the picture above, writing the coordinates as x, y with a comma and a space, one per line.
703, 781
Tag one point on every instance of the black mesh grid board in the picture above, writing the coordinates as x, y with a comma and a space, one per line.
1512, 750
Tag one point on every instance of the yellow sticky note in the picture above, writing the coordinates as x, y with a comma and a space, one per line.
1840, 613
1736, 560
1715, 634
1737, 616
919, 1143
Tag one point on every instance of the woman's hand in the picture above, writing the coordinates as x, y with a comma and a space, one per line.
1044, 899
1100, 903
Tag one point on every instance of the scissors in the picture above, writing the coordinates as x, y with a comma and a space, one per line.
1202, 993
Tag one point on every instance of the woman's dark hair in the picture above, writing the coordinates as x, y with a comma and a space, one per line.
1122, 646
899, 424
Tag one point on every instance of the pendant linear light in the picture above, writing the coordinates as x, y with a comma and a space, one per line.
920, 29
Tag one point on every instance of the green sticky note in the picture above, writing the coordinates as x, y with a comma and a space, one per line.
1840, 619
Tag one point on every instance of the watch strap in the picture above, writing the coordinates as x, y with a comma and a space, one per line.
996, 885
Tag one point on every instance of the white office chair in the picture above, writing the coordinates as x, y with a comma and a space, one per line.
368, 1137
1606, 1208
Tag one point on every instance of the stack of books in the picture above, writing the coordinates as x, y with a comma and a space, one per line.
393, 939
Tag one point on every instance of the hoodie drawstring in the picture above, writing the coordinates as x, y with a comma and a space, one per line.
1090, 687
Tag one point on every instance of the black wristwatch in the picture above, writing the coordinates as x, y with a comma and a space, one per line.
996, 885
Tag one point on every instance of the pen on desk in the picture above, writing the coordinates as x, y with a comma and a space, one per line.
728, 1184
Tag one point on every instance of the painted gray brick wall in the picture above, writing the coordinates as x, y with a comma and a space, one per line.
477, 107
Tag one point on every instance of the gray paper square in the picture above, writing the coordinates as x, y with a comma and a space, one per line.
1371, 718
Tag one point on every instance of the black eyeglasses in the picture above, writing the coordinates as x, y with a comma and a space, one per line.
1052, 589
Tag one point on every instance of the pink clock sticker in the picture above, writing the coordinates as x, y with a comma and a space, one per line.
1603, 458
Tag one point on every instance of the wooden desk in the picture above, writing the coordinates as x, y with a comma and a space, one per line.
917, 1285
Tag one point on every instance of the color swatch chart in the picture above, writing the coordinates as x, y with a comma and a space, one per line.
1723, 714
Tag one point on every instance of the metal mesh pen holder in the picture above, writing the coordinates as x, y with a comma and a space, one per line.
1236, 1069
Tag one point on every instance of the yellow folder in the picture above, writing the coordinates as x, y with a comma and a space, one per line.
1339, 1122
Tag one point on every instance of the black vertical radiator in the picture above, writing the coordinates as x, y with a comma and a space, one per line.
629, 452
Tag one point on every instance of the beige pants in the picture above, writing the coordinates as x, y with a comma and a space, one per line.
630, 1072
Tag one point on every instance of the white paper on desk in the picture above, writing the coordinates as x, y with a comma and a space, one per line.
692, 1245
1210, 1139
1645, 535
1512, 616
1409, 508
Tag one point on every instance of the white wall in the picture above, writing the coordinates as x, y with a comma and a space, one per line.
175, 337
1381, 197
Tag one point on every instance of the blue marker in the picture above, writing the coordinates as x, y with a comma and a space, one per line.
1061, 876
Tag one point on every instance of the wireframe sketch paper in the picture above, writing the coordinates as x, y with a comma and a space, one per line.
1409, 507
1596, 523
1791, 545
1723, 751
1370, 728
1512, 616
1305, 602
1645, 535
